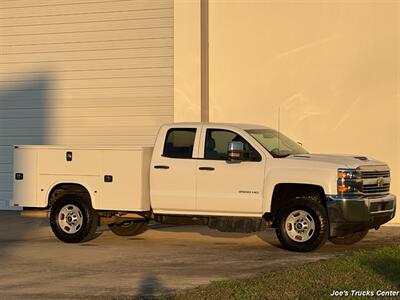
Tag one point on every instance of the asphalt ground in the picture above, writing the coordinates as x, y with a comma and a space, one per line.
35, 265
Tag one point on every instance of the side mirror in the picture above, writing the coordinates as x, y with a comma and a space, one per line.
235, 151
300, 143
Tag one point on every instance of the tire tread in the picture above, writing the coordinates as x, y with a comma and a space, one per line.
304, 202
135, 228
90, 222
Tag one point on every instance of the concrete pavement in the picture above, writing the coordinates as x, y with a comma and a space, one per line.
35, 265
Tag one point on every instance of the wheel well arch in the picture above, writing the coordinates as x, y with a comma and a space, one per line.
283, 193
68, 188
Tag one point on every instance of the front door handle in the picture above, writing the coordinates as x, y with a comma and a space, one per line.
161, 167
206, 169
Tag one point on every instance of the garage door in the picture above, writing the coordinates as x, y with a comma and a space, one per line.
83, 72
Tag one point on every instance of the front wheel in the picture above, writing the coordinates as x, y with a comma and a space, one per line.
73, 220
349, 239
303, 225
130, 228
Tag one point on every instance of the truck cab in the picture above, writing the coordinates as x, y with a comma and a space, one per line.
231, 177
192, 172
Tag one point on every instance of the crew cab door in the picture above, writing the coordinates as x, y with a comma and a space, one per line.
173, 169
226, 187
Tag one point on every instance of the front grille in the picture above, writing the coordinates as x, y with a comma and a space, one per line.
375, 174
376, 180
375, 188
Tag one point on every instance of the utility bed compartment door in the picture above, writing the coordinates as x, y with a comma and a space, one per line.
82, 162
25, 163
125, 180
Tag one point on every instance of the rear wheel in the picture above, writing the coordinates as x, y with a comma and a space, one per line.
73, 220
349, 239
129, 228
302, 225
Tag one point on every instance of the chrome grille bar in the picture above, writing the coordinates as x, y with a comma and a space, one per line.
384, 174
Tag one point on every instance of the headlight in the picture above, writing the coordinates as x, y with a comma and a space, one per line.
349, 182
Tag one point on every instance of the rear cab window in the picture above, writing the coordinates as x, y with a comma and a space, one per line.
179, 143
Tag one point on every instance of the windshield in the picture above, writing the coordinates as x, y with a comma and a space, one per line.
277, 144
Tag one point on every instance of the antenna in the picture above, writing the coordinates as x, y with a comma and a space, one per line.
279, 130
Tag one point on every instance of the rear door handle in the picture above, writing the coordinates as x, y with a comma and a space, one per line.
161, 167
206, 169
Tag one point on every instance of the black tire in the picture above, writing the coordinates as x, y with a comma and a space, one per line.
312, 207
89, 219
349, 239
128, 228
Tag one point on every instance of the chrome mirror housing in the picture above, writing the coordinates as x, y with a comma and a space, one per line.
235, 150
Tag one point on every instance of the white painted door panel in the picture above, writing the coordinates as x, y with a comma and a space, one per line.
173, 189
173, 179
231, 187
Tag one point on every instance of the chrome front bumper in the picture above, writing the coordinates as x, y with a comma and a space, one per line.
358, 214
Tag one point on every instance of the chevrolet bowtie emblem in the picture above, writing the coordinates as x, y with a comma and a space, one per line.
380, 181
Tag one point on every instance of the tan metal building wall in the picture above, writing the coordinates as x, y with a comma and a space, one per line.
93, 72
332, 69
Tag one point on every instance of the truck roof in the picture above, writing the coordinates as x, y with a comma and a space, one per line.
216, 124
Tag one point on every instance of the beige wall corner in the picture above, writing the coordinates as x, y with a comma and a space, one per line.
187, 55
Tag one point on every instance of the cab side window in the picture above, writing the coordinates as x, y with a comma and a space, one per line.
216, 145
179, 143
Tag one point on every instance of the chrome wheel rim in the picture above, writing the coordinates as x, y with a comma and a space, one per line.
300, 226
70, 219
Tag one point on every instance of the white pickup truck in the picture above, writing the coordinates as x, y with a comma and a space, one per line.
231, 177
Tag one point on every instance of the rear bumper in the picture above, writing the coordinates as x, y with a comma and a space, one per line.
358, 214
